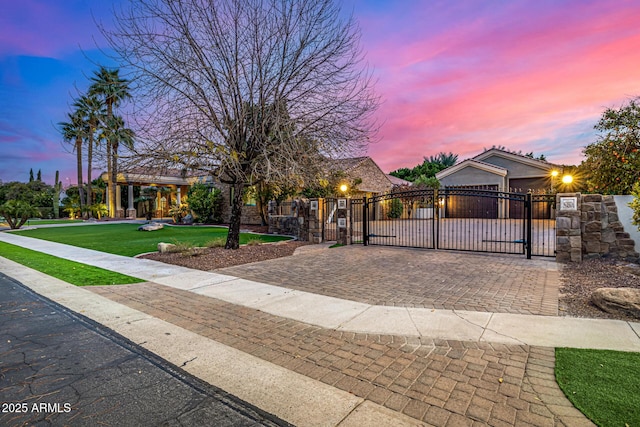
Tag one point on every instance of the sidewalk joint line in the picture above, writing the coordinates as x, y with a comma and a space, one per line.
362, 400
634, 331
413, 322
353, 317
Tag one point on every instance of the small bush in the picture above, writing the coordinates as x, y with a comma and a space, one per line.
182, 247
254, 241
215, 243
395, 210
635, 204
205, 202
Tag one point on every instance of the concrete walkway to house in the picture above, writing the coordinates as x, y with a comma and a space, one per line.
315, 359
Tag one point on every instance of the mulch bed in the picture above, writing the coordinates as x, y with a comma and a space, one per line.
580, 280
214, 258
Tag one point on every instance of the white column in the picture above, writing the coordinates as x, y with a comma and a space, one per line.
131, 210
178, 195
118, 197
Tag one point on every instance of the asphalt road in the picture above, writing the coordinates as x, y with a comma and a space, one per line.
58, 368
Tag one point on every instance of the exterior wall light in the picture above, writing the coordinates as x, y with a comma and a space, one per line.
567, 179
554, 173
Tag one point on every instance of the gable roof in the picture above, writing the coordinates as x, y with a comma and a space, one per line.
514, 157
397, 181
346, 164
487, 167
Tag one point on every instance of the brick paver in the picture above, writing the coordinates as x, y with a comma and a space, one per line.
439, 382
417, 278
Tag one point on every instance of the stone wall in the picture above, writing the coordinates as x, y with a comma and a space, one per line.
602, 232
250, 213
590, 229
296, 224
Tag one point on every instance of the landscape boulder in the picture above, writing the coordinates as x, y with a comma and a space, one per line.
618, 300
166, 247
152, 226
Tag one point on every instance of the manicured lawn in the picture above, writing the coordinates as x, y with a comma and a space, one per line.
69, 271
603, 384
125, 239
52, 221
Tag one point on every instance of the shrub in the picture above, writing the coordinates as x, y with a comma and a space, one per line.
215, 243
178, 212
254, 241
635, 204
17, 212
205, 202
185, 248
98, 210
395, 210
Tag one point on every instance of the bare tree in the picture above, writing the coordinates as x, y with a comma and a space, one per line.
249, 90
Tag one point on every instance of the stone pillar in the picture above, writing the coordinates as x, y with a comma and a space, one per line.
178, 200
342, 215
568, 227
315, 220
131, 211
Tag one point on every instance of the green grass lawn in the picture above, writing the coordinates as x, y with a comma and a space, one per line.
603, 384
125, 239
38, 221
69, 271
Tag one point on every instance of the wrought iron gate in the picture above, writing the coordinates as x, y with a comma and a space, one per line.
329, 219
464, 219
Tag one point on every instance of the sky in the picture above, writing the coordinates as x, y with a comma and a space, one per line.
454, 75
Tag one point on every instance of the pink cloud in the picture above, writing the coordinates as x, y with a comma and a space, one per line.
534, 79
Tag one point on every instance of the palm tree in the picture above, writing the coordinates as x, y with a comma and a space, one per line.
74, 131
445, 159
112, 89
115, 133
92, 111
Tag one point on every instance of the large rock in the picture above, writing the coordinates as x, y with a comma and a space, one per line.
152, 226
617, 300
164, 248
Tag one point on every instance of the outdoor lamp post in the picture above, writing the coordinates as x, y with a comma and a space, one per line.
554, 176
344, 188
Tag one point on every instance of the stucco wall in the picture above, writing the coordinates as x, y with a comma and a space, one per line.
516, 169
625, 216
472, 176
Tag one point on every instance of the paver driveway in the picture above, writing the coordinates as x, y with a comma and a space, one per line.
417, 278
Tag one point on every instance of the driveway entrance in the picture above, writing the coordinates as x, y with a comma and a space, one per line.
416, 278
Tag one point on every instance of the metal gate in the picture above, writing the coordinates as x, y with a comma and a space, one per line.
329, 210
464, 219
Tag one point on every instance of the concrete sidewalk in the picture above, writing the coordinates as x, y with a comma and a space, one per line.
359, 365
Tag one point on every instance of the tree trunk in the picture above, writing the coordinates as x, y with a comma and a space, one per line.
233, 238
262, 210
89, 166
114, 177
111, 207
79, 166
